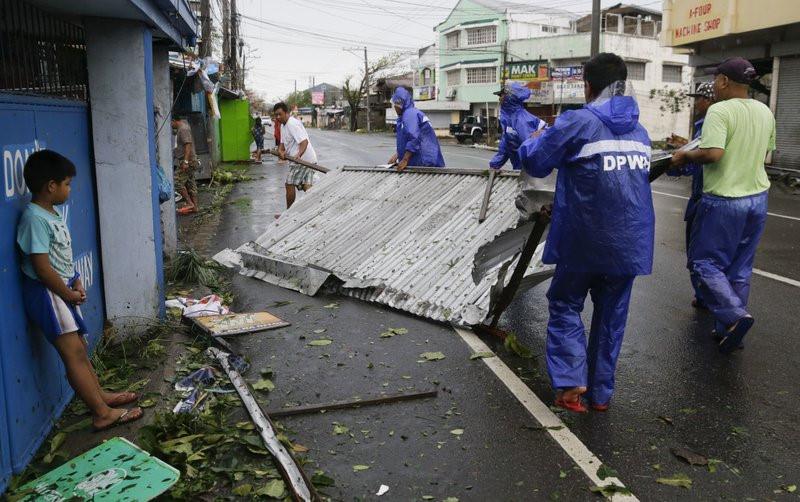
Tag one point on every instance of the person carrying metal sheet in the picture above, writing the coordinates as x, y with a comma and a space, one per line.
517, 124
738, 133
602, 229
417, 144
703, 98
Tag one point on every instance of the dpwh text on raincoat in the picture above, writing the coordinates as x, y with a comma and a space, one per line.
517, 125
415, 133
603, 220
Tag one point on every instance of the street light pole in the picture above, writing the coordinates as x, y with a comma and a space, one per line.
595, 46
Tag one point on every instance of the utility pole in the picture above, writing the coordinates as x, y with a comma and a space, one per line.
595, 47
205, 28
226, 40
366, 86
234, 47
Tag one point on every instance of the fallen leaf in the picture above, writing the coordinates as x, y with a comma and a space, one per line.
86, 422
279, 303
320, 331
609, 491
274, 488
606, 472
340, 429
562, 474
739, 431
147, 403
264, 384
243, 490
298, 448
321, 479
665, 419
789, 488
319, 343
512, 344
55, 445
457, 432
680, 480
688, 411
393, 331
427, 497
431, 356
481, 355
247, 426
357, 468
333, 305
689, 456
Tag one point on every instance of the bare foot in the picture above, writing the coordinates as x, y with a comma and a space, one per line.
114, 399
117, 416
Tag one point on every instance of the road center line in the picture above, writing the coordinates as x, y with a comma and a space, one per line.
777, 277
570, 443
795, 218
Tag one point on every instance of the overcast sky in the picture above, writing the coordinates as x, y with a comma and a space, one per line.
296, 40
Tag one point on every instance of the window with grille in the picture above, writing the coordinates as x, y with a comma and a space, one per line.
452, 40
486, 75
454, 77
635, 70
549, 29
482, 35
671, 73
40, 54
426, 76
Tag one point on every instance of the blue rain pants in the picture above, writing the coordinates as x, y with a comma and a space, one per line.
725, 235
570, 363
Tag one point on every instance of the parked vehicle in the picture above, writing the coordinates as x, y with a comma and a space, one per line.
473, 127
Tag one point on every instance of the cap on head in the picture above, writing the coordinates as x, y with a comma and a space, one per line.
703, 90
737, 69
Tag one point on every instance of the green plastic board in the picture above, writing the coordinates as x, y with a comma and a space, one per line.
116, 470
235, 129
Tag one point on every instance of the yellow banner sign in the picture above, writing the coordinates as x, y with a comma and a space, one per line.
696, 20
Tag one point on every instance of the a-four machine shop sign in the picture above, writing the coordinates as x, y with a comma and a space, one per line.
695, 20
527, 71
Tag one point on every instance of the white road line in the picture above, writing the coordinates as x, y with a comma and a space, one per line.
795, 218
777, 277
570, 443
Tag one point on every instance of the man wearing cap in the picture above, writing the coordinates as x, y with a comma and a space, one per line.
738, 132
703, 98
417, 144
516, 122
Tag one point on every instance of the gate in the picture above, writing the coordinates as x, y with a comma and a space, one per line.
36, 390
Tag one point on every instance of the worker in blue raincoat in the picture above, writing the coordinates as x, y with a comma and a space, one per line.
703, 98
602, 230
417, 144
516, 123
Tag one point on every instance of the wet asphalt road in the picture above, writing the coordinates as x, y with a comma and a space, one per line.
673, 388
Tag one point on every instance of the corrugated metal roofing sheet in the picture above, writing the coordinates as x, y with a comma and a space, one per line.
405, 240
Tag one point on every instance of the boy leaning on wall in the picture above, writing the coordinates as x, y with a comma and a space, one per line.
52, 290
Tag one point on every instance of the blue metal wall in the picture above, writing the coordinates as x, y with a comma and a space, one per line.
31, 374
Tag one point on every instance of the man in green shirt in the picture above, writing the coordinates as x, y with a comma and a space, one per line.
737, 135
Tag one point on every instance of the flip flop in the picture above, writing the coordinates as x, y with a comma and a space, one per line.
600, 407
186, 210
124, 398
734, 336
128, 416
576, 406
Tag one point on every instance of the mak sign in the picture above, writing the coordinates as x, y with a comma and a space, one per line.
696, 20
527, 71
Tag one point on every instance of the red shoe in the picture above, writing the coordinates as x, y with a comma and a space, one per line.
570, 400
600, 407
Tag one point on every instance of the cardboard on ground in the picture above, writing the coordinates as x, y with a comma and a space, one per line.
116, 470
235, 324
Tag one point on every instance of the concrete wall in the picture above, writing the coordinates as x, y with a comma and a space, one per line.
120, 62
162, 98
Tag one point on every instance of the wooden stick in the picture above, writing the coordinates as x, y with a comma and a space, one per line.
486, 195
314, 408
302, 162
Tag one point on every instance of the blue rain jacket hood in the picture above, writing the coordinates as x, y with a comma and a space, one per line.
516, 124
603, 220
415, 133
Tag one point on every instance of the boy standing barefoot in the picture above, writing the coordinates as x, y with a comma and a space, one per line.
52, 290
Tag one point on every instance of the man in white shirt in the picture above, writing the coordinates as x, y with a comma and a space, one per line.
295, 143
